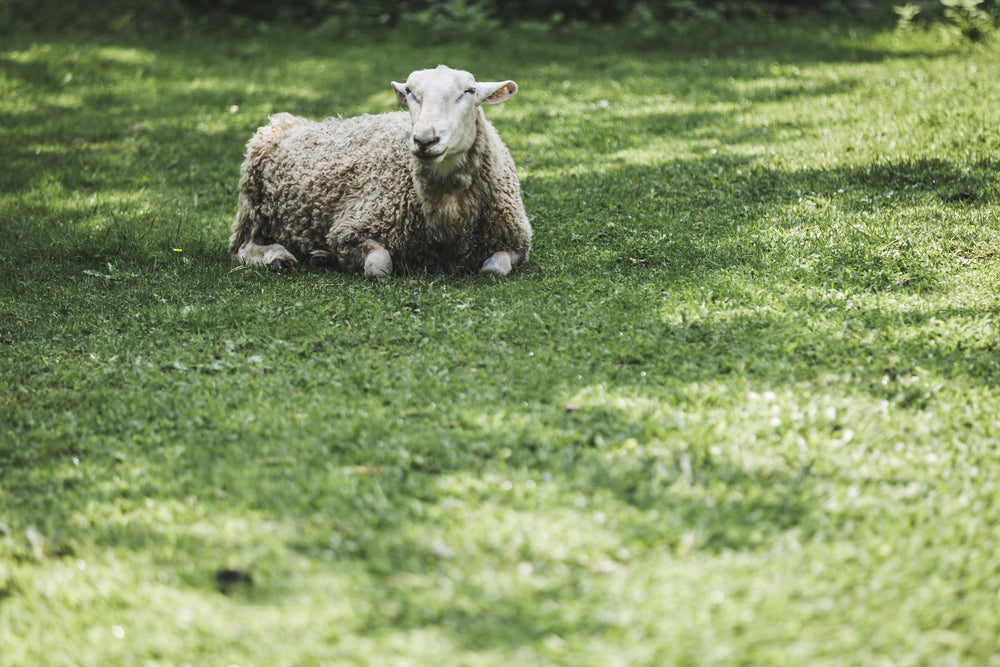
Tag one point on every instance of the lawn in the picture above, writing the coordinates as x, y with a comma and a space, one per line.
740, 407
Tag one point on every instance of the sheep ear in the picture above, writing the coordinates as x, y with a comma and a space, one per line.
400, 91
495, 92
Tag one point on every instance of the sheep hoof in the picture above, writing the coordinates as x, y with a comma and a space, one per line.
498, 264
273, 256
283, 265
378, 263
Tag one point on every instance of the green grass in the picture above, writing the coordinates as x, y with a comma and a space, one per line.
741, 407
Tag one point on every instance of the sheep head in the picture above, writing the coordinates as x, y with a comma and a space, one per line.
443, 105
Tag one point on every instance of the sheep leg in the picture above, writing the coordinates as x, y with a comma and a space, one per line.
274, 256
498, 264
378, 263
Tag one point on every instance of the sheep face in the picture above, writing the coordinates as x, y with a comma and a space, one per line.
443, 106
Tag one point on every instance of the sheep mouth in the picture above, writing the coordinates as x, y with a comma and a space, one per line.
429, 156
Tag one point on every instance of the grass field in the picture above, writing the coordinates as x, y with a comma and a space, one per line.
741, 406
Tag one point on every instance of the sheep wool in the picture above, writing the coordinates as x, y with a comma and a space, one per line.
433, 189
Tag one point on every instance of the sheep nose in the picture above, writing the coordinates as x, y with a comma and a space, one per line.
425, 141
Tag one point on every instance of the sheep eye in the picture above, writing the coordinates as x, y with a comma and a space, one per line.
470, 91
411, 95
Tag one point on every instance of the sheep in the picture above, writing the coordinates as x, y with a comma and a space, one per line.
431, 190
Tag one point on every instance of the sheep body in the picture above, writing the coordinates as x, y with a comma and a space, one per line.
353, 194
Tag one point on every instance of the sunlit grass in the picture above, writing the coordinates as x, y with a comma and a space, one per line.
739, 407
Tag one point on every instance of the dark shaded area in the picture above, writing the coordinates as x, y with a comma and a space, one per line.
592, 11
167, 15
228, 579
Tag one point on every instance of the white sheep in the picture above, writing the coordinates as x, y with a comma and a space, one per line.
435, 190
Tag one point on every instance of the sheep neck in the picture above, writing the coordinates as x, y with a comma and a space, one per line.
448, 204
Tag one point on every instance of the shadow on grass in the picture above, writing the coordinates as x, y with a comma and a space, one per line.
133, 107
873, 228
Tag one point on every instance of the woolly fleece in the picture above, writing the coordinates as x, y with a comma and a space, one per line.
325, 189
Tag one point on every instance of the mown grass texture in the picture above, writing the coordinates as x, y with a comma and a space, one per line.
740, 406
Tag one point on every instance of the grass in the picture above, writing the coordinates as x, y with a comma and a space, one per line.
740, 407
